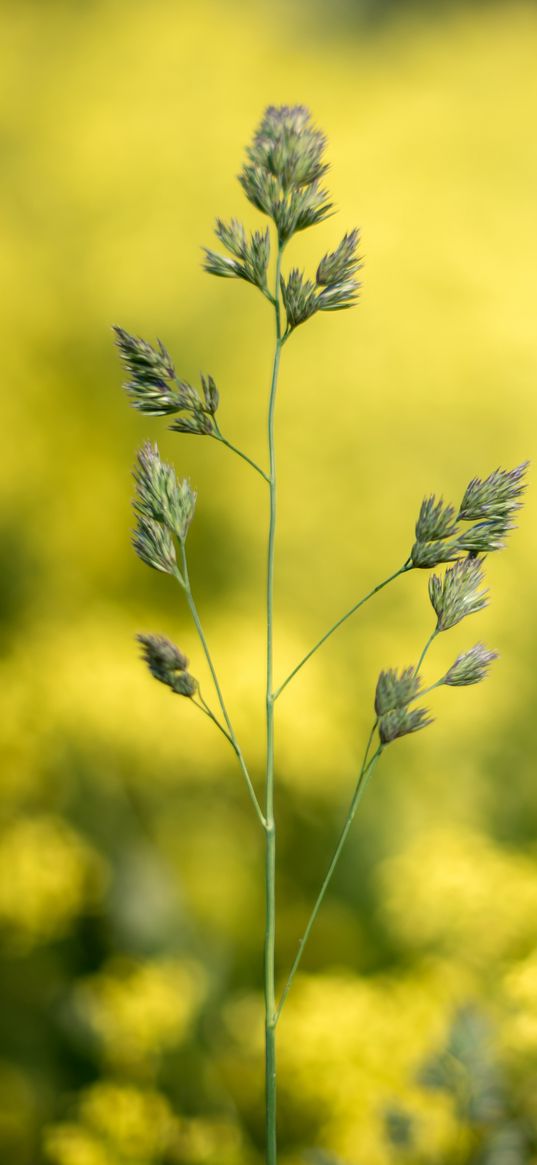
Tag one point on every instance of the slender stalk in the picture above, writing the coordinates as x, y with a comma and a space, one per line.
234, 449
204, 707
380, 586
361, 784
270, 837
429, 644
233, 739
438, 684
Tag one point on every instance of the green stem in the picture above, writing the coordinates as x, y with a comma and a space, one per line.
439, 683
234, 449
233, 739
270, 836
402, 570
429, 643
204, 707
361, 784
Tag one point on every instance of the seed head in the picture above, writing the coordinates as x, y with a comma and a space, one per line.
250, 257
401, 721
154, 545
167, 664
211, 395
485, 537
458, 594
299, 298
427, 554
395, 690
196, 422
152, 386
335, 275
496, 497
159, 495
338, 296
285, 163
340, 265
435, 520
471, 667
287, 145
196, 414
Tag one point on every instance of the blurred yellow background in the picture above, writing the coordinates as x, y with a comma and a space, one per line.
130, 863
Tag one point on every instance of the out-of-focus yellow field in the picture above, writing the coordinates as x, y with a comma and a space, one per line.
131, 901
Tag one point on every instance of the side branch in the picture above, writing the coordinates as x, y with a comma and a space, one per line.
379, 587
361, 784
230, 731
218, 436
429, 644
204, 707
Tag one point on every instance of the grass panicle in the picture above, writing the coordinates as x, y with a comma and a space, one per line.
167, 664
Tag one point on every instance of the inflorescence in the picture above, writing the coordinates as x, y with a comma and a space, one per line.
283, 178
489, 504
167, 664
154, 388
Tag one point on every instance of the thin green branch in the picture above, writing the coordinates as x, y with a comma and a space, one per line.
361, 784
234, 449
429, 643
204, 707
439, 683
380, 586
233, 740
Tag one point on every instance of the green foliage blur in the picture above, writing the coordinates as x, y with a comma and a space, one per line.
131, 907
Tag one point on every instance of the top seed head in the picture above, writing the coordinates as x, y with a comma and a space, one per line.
285, 163
287, 145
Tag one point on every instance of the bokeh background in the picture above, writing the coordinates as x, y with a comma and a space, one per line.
131, 864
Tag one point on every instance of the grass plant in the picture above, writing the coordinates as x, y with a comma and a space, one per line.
283, 177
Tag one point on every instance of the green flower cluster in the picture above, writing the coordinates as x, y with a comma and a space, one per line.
164, 508
281, 179
453, 597
154, 388
490, 504
167, 664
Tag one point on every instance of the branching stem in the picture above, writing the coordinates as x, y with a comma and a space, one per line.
185, 582
361, 784
204, 707
234, 449
380, 586
439, 683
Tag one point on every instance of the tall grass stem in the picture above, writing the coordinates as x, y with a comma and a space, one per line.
270, 841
